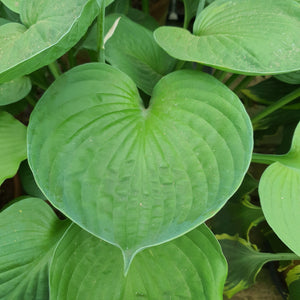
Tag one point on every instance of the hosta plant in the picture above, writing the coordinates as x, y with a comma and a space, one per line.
133, 136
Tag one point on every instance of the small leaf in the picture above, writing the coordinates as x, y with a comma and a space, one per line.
244, 262
14, 90
13, 5
132, 176
240, 36
29, 232
190, 267
51, 28
279, 192
133, 50
12, 145
28, 183
293, 282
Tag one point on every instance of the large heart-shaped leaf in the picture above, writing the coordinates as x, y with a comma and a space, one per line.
138, 177
245, 262
244, 36
14, 90
51, 28
190, 267
29, 232
12, 145
279, 192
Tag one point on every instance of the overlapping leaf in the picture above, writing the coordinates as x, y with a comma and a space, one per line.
191, 9
190, 267
13, 5
51, 27
243, 36
279, 191
133, 50
14, 90
29, 232
244, 262
12, 145
29, 185
138, 177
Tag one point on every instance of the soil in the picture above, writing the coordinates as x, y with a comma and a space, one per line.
263, 289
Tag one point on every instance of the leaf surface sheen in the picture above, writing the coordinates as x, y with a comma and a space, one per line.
279, 191
242, 36
84, 267
50, 29
29, 232
132, 176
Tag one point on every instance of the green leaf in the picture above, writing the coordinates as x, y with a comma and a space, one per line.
3, 21
29, 232
84, 267
244, 262
13, 5
270, 91
14, 90
293, 283
133, 50
291, 78
28, 183
6, 13
118, 6
132, 176
239, 215
51, 28
142, 18
12, 145
279, 192
191, 8
250, 37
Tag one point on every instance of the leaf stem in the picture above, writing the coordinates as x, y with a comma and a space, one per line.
220, 75
54, 69
39, 84
244, 83
231, 79
285, 256
71, 58
179, 64
265, 158
145, 6
279, 104
100, 33
30, 100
